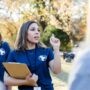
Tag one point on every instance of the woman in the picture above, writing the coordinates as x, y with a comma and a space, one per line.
4, 51
39, 59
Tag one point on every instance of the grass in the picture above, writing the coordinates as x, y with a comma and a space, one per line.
60, 81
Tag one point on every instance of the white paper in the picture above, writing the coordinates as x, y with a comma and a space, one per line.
37, 88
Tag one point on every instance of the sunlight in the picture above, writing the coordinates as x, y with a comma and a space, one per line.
4, 12
88, 24
15, 16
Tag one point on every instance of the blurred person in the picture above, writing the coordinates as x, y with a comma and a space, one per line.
4, 51
39, 59
79, 78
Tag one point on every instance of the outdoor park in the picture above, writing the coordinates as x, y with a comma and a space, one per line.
66, 19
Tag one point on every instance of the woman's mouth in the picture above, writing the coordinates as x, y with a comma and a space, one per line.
36, 37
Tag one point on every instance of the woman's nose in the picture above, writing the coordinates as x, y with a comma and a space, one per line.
37, 32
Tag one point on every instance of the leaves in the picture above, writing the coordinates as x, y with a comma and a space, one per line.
60, 34
67, 15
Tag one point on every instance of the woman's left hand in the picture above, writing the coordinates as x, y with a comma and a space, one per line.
55, 42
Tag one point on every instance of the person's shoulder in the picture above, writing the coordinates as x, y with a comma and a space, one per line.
87, 51
16, 51
82, 56
4, 43
84, 53
45, 48
48, 50
12, 51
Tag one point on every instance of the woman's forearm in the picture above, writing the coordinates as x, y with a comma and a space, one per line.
14, 82
55, 64
18, 82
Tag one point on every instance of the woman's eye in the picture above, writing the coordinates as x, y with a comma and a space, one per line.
38, 30
35, 29
32, 29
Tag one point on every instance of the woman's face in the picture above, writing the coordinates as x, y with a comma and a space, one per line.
33, 34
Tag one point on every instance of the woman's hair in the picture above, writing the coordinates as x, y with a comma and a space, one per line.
22, 36
21, 39
0, 37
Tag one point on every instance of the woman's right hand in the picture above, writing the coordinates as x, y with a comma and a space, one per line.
32, 80
28, 81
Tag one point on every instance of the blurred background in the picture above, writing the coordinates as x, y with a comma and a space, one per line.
65, 18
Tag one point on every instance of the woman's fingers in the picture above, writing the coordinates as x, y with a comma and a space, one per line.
35, 77
54, 40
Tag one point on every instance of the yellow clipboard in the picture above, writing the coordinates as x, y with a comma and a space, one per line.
17, 70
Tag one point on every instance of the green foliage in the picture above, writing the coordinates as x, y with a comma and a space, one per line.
64, 38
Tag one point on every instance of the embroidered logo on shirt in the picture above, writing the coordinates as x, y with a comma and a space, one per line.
42, 57
2, 51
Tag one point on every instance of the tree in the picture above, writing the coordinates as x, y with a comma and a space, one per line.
64, 38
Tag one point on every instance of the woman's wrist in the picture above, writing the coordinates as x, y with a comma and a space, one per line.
30, 82
56, 49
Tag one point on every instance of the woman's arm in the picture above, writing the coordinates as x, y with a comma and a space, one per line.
31, 81
55, 64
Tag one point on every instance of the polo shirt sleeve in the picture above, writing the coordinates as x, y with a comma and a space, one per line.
7, 48
50, 54
11, 57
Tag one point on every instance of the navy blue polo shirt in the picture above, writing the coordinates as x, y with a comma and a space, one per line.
4, 51
38, 62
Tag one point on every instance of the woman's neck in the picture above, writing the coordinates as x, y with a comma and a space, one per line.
30, 46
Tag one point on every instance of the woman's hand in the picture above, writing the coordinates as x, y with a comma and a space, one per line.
55, 64
32, 80
55, 42
28, 81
